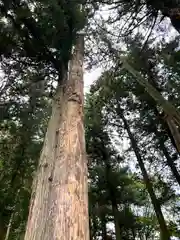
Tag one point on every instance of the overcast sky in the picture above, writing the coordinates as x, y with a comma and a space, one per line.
90, 77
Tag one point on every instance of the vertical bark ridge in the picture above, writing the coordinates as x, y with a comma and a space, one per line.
60, 208
164, 232
38, 211
70, 171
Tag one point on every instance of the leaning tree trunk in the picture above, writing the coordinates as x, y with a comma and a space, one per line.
59, 203
9, 226
169, 109
172, 114
169, 159
157, 208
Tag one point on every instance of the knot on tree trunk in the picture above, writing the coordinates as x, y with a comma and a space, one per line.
75, 97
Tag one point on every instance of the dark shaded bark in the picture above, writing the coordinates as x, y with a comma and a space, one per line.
174, 130
2, 230
170, 161
166, 128
112, 194
133, 233
157, 208
93, 226
175, 20
90, 229
103, 227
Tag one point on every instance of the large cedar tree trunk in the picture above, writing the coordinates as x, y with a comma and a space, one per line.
157, 208
59, 203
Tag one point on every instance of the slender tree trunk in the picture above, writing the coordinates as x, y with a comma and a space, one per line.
141, 236
171, 137
163, 228
94, 226
11, 217
133, 233
112, 193
174, 130
59, 204
116, 220
116, 217
170, 162
9, 226
103, 227
90, 229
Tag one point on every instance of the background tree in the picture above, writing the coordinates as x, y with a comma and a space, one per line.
114, 88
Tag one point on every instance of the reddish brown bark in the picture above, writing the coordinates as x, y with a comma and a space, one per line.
59, 208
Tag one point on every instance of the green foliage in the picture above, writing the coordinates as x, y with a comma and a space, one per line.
117, 87
109, 178
35, 45
40, 33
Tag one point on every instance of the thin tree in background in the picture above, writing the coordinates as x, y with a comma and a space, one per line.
59, 203
157, 208
169, 159
172, 115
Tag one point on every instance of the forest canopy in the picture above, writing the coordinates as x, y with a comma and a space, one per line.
110, 157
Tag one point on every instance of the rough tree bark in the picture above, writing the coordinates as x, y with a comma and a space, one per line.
157, 208
59, 203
